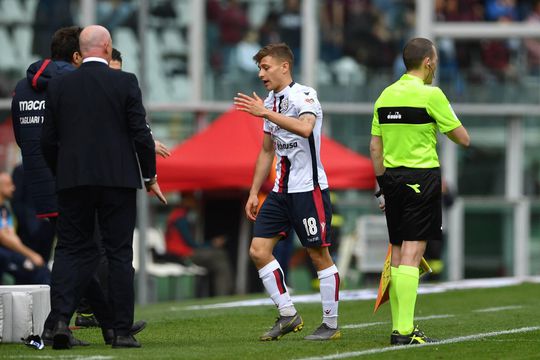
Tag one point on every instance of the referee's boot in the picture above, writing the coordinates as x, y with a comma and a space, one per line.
416, 337
282, 326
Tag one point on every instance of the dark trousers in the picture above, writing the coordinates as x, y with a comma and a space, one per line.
77, 254
94, 296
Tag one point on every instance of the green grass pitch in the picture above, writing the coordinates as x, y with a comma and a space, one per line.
475, 324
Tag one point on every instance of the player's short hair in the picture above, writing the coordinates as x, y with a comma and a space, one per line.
116, 55
281, 51
65, 42
415, 51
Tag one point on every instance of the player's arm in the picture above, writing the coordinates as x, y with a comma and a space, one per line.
303, 126
377, 159
460, 136
376, 152
262, 169
10, 240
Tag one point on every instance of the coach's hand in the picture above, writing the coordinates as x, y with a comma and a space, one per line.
161, 149
251, 207
153, 186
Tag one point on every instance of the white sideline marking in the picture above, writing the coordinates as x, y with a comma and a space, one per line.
442, 342
371, 294
500, 308
360, 326
364, 325
429, 317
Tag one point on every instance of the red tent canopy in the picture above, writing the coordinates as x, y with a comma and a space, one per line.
223, 156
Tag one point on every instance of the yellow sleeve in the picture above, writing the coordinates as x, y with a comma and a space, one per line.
439, 108
375, 126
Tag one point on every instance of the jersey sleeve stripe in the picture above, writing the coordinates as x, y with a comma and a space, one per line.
307, 112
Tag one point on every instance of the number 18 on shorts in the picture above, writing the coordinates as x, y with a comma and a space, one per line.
308, 213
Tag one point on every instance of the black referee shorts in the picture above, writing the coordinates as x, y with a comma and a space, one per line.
413, 204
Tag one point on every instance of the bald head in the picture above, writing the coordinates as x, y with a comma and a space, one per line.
96, 41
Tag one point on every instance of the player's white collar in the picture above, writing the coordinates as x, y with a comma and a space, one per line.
285, 90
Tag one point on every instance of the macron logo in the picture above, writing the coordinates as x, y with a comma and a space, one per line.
394, 116
31, 105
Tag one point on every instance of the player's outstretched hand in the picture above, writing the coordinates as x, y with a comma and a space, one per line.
250, 104
251, 207
161, 149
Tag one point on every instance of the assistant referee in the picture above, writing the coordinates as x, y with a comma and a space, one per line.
406, 118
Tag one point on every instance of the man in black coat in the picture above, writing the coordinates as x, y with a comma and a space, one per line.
28, 112
95, 138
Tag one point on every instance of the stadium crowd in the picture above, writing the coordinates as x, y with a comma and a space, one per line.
357, 37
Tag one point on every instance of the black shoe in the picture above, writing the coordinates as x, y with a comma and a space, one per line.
416, 337
137, 327
48, 336
127, 341
86, 320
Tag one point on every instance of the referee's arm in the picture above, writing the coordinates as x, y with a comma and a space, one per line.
376, 151
460, 136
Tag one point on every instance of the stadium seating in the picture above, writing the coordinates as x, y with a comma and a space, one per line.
173, 273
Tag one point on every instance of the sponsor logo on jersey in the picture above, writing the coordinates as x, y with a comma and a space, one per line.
286, 146
29, 120
309, 100
284, 106
31, 105
393, 116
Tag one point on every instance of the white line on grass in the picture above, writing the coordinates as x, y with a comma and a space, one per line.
360, 326
371, 294
442, 342
500, 308
365, 325
430, 317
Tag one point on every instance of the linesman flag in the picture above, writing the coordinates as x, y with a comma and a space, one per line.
384, 289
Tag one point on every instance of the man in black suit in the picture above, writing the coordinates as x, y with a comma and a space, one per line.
95, 138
